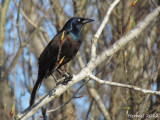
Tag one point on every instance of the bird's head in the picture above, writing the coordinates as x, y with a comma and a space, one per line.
76, 23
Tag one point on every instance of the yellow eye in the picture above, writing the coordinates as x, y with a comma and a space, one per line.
79, 20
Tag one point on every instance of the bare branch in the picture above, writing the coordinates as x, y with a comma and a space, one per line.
100, 103
18, 26
145, 91
99, 31
27, 18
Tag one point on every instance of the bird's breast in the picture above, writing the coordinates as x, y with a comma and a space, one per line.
70, 47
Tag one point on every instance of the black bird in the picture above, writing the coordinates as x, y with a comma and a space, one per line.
62, 48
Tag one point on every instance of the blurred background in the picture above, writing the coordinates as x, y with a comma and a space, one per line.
30, 24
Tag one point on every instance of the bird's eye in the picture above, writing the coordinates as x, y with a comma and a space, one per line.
79, 20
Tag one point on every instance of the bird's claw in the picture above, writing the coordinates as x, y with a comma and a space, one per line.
68, 77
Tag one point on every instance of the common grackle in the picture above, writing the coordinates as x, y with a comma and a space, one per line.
60, 50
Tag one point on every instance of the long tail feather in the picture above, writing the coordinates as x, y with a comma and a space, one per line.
34, 91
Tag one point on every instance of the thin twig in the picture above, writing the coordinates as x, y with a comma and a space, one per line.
18, 27
106, 63
49, 111
100, 103
145, 91
27, 18
154, 3
99, 31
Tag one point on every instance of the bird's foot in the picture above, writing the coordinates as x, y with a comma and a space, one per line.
68, 77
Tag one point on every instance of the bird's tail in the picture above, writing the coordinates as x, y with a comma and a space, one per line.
35, 89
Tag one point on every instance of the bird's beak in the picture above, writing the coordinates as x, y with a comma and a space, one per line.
87, 20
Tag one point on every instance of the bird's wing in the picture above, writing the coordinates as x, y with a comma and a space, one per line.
48, 58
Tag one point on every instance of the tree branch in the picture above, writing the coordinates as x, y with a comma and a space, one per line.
100, 103
103, 24
27, 18
145, 91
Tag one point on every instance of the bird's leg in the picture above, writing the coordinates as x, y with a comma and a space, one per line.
63, 73
68, 76
59, 71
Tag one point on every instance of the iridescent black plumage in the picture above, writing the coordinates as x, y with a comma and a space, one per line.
48, 59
